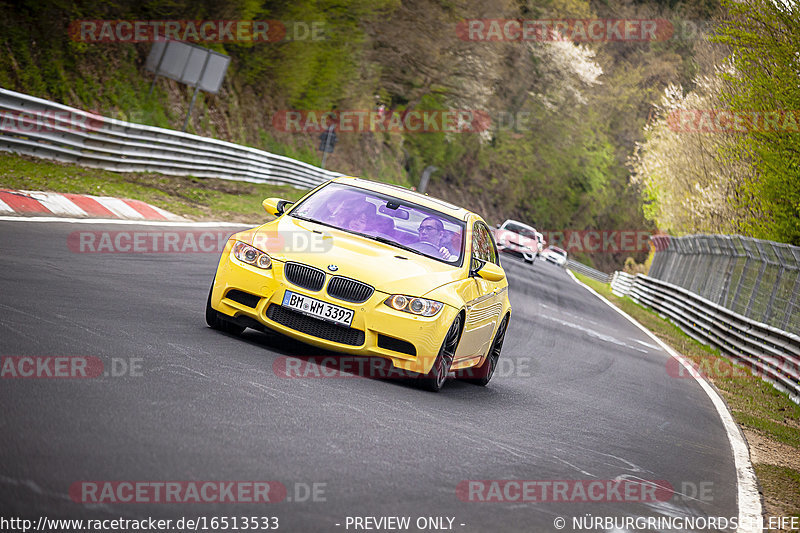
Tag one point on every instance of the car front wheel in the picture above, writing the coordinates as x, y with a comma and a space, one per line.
483, 374
434, 380
214, 321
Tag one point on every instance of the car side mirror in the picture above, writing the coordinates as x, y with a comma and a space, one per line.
486, 270
491, 272
275, 206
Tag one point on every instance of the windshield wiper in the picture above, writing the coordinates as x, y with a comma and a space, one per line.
315, 221
300, 217
390, 242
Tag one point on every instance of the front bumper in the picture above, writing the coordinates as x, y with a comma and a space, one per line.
518, 251
376, 329
557, 262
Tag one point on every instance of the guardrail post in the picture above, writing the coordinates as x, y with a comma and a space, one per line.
677, 273
705, 272
790, 309
732, 254
672, 269
754, 295
742, 275
781, 270
692, 270
661, 256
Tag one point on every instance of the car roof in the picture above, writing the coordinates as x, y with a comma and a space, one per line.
520, 224
407, 194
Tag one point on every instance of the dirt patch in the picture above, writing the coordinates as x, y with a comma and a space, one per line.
767, 451
176, 185
769, 458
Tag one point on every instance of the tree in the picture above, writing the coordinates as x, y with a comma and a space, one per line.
764, 37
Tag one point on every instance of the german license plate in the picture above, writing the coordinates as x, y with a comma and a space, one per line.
318, 308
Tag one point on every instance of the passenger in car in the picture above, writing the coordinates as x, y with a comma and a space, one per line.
336, 210
362, 217
384, 225
451, 240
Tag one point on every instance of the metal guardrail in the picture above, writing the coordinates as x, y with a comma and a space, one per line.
755, 278
37, 127
621, 283
768, 351
588, 271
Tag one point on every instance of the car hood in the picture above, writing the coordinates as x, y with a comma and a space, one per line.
509, 237
387, 268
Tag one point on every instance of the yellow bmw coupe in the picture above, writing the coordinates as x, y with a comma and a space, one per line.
366, 268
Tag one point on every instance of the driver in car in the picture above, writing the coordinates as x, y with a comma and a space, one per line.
430, 232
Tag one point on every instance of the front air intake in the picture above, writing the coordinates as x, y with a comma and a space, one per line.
244, 298
304, 276
314, 326
349, 290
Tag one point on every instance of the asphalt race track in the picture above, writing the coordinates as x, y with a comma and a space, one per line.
581, 394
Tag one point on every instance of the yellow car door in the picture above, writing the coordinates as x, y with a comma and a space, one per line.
485, 305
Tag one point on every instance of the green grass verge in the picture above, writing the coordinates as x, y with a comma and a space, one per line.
195, 198
755, 404
788, 480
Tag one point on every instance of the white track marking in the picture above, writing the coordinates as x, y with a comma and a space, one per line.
56, 203
5, 208
748, 497
166, 214
128, 222
119, 208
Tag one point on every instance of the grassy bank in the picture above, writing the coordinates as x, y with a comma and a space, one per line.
769, 419
194, 198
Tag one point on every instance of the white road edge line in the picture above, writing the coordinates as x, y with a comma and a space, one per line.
5, 208
127, 222
748, 497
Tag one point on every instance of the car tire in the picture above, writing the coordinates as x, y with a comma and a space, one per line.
214, 320
434, 380
483, 374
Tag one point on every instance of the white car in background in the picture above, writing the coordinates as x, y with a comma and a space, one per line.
517, 239
555, 255
541, 243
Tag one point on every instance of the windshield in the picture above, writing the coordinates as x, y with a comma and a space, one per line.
387, 219
520, 230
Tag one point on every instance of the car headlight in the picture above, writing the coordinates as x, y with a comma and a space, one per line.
413, 305
250, 255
